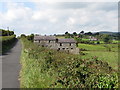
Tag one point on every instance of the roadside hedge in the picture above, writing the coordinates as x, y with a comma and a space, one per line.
45, 68
6, 42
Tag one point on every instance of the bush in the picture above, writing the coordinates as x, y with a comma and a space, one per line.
87, 42
98, 42
45, 68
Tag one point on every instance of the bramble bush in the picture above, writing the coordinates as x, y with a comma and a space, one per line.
45, 68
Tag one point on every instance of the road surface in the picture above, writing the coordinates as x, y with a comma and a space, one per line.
11, 67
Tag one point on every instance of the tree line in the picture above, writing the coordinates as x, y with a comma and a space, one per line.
6, 32
7, 39
29, 37
107, 38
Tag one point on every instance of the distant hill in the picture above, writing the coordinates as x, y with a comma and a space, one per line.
106, 32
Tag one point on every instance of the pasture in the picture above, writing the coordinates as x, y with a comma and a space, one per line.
105, 52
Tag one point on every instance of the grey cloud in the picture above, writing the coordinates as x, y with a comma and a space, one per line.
70, 5
108, 6
98, 17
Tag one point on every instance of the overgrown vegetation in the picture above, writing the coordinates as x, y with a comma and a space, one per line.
105, 52
45, 68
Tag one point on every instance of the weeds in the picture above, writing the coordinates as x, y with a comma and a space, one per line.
45, 68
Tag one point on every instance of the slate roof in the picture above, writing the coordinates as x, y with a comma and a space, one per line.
66, 40
44, 38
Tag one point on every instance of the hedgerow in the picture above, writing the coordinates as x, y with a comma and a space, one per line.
6, 42
45, 68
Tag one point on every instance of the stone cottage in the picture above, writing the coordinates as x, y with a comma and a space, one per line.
52, 42
45, 41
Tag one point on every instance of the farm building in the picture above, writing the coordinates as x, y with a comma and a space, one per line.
52, 42
92, 38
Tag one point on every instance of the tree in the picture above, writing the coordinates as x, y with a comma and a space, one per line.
11, 33
107, 39
89, 33
80, 36
97, 33
66, 33
6, 32
30, 37
23, 35
82, 32
74, 33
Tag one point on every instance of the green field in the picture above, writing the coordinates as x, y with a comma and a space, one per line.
115, 41
102, 52
105, 52
85, 39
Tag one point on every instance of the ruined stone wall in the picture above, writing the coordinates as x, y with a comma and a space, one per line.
75, 51
70, 48
66, 46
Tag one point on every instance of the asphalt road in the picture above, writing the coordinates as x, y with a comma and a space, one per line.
11, 67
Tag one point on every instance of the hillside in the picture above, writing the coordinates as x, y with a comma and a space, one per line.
106, 32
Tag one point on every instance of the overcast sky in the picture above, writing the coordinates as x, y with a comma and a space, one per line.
58, 17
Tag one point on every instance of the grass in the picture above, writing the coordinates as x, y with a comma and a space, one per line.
101, 42
115, 41
91, 47
102, 52
46, 68
110, 57
85, 39
31, 77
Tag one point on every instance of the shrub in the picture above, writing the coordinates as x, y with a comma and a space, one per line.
98, 42
45, 68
